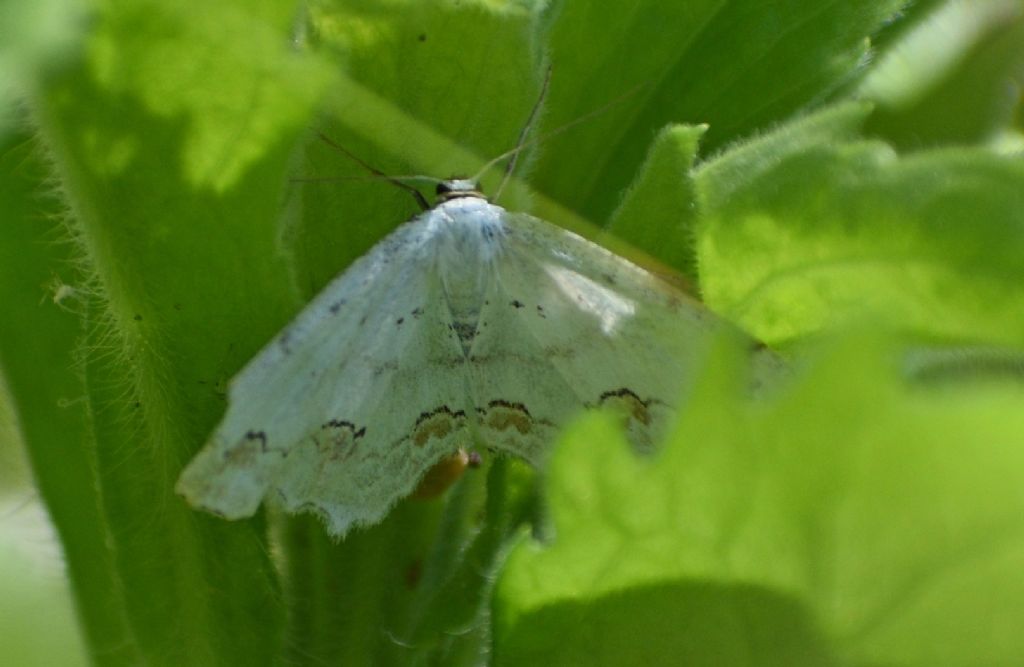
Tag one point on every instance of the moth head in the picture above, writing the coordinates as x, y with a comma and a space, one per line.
454, 188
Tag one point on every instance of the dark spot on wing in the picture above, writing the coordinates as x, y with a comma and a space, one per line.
540, 311
627, 399
337, 439
622, 391
258, 435
399, 321
422, 37
336, 306
345, 425
516, 303
502, 415
466, 331
242, 452
443, 410
417, 312
138, 318
501, 403
437, 423
386, 367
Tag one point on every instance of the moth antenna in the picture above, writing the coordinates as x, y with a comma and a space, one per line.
421, 201
555, 132
521, 139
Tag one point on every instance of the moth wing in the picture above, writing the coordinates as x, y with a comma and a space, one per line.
350, 405
569, 325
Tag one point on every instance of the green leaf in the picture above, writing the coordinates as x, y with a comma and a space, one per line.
802, 232
659, 211
453, 597
232, 103
46, 392
847, 518
171, 159
953, 79
35, 36
736, 66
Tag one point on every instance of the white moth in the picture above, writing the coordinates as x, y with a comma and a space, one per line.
468, 325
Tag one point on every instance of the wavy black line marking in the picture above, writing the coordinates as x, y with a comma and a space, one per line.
444, 409
641, 407
623, 392
515, 407
341, 423
432, 424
